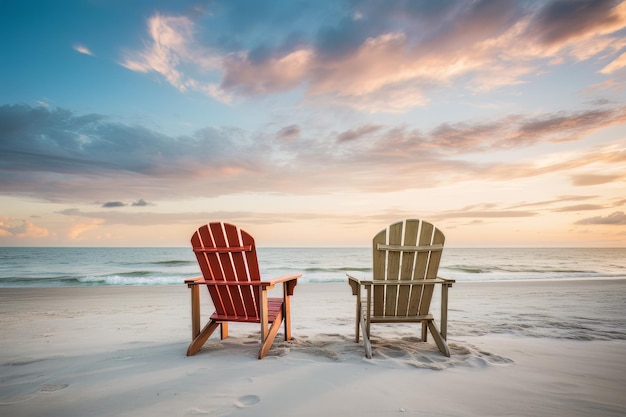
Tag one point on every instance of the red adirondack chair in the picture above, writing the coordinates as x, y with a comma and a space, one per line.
230, 270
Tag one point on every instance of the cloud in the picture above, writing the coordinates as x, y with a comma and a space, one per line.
580, 207
171, 45
111, 204
388, 59
619, 203
275, 74
564, 21
110, 218
82, 49
482, 214
561, 127
548, 203
355, 134
558, 163
610, 85
100, 218
518, 131
595, 179
42, 140
77, 230
140, 203
615, 65
20, 228
473, 214
615, 219
59, 156
289, 133
115, 204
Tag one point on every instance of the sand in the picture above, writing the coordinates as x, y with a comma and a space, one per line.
120, 351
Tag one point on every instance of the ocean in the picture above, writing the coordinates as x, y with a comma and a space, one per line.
51, 267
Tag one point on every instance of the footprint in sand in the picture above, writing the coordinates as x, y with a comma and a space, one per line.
198, 412
247, 401
53, 387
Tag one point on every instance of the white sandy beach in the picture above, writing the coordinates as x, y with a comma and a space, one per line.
120, 351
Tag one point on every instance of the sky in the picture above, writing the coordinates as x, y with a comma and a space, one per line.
313, 122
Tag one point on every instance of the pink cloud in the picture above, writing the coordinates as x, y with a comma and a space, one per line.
82, 49
488, 46
273, 75
20, 228
617, 218
392, 72
172, 44
595, 179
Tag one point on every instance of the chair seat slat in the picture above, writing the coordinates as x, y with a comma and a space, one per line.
274, 306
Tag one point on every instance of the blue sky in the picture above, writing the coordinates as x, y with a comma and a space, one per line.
312, 123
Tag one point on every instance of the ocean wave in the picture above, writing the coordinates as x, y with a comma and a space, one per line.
174, 263
338, 269
48, 281
122, 279
135, 274
323, 280
512, 269
158, 263
467, 269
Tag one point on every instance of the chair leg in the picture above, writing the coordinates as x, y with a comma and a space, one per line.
359, 315
195, 311
202, 337
366, 337
271, 335
224, 330
424, 331
287, 317
439, 340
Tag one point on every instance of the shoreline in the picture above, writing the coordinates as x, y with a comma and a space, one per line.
120, 351
305, 282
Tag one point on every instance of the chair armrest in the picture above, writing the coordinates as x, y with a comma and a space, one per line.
266, 284
194, 281
355, 283
447, 281
280, 279
354, 278
432, 281
289, 283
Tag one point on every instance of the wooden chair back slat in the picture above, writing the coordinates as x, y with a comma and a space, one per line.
240, 259
407, 266
379, 272
229, 260
431, 272
210, 268
421, 265
394, 237
225, 268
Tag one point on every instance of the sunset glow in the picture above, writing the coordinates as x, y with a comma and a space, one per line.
313, 123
